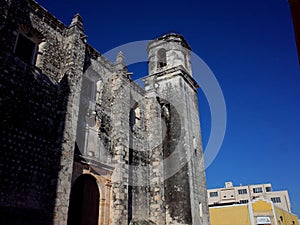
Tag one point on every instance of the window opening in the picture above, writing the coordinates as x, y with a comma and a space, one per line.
268, 189
213, 194
242, 191
161, 58
25, 49
257, 190
276, 199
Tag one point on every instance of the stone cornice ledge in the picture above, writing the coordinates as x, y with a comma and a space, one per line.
177, 71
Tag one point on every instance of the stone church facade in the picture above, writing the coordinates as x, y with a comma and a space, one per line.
81, 143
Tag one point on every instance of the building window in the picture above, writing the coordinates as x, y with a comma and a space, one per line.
195, 145
200, 209
29, 42
281, 218
268, 189
25, 49
242, 191
257, 190
213, 194
161, 58
134, 117
276, 199
244, 201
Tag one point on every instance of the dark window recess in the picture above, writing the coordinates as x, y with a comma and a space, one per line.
257, 190
132, 119
281, 218
242, 191
213, 194
268, 189
25, 49
162, 58
244, 201
276, 199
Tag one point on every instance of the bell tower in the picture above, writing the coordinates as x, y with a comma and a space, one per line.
169, 51
173, 94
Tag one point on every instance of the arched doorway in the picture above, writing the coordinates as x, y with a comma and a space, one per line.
84, 202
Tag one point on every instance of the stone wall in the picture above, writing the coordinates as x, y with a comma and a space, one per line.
39, 104
30, 152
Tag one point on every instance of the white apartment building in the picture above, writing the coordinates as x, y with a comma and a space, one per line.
243, 194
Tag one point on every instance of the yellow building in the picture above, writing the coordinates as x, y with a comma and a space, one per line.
257, 212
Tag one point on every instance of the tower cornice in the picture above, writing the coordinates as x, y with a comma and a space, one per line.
171, 37
176, 71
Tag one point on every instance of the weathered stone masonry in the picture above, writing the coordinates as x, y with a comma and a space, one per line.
81, 143
37, 114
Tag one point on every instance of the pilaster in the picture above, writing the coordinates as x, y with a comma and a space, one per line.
74, 46
120, 142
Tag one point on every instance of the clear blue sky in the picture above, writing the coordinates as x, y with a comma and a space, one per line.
250, 47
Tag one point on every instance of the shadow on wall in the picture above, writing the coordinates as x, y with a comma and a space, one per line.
32, 112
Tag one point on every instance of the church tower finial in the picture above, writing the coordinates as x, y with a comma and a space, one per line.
77, 21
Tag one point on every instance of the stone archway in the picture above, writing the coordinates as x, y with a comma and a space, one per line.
84, 201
